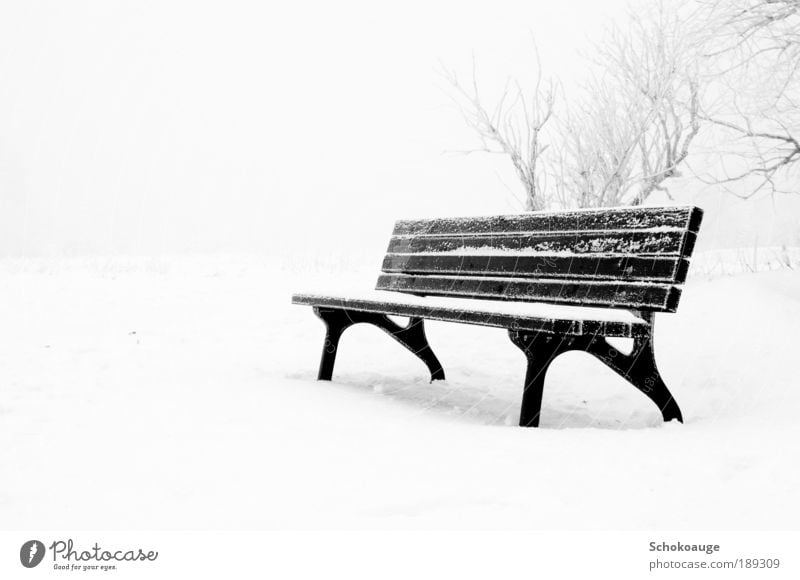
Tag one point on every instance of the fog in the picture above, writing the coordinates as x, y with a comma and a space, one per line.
273, 128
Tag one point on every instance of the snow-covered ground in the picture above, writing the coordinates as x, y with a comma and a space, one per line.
180, 393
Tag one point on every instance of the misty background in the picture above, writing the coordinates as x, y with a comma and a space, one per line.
288, 129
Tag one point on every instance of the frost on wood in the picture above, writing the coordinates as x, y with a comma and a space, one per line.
537, 316
679, 217
640, 243
621, 258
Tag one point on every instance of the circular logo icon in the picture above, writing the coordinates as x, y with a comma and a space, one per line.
31, 553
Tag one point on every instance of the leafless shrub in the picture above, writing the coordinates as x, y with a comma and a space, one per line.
513, 127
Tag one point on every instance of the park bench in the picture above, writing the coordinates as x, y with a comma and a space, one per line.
557, 281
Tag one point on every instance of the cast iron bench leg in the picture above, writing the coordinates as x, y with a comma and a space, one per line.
540, 350
411, 336
638, 368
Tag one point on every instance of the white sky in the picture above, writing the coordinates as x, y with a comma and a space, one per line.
150, 127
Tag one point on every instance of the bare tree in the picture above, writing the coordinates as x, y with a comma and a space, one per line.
752, 53
635, 125
513, 127
728, 68
595, 156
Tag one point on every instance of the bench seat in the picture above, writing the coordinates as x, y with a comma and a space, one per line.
531, 316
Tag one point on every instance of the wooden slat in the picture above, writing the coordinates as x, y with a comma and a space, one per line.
630, 268
684, 218
476, 316
588, 293
669, 242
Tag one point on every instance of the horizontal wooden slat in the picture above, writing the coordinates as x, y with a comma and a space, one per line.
685, 218
478, 316
669, 242
654, 269
589, 293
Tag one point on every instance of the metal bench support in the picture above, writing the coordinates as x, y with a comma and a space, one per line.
638, 368
411, 336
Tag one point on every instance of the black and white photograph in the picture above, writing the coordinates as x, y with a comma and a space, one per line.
335, 283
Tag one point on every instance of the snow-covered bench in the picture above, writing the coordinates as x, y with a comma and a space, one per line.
557, 281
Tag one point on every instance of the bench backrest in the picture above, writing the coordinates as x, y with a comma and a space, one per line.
633, 258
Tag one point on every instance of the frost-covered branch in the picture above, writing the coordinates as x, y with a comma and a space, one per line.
513, 127
635, 126
753, 54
